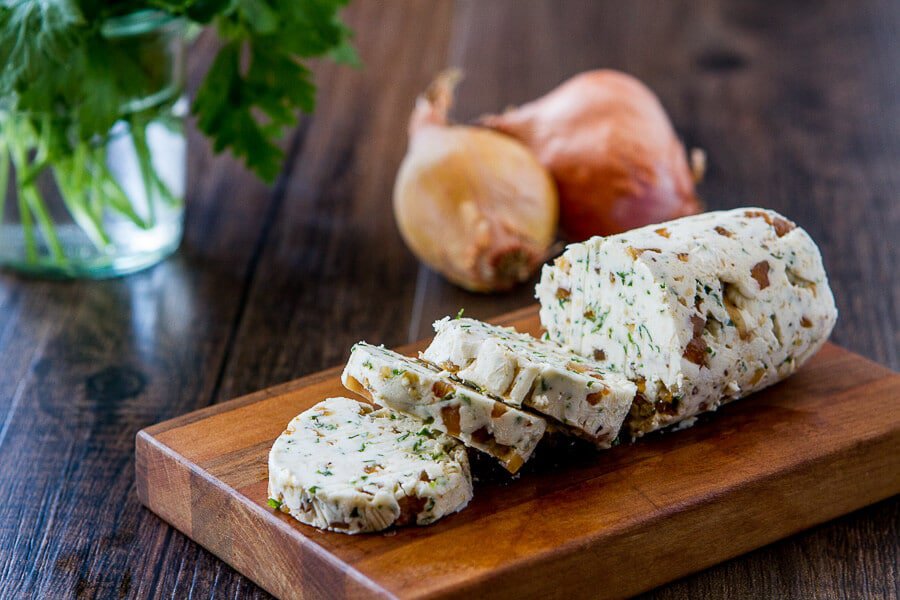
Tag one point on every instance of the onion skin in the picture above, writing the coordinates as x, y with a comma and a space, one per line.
607, 141
472, 204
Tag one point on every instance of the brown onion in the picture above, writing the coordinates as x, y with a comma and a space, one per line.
473, 204
607, 141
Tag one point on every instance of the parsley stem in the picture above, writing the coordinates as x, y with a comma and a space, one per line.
30, 200
4, 176
93, 187
142, 151
33, 194
79, 171
12, 138
45, 222
111, 193
27, 229
67, 176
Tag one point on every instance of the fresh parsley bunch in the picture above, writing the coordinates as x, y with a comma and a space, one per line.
64, 75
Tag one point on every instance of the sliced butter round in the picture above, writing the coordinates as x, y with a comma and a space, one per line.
344, 466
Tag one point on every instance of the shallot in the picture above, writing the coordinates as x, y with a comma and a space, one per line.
473, 204
609, 145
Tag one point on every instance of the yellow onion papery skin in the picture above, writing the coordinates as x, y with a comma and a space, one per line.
610, 147
472, 204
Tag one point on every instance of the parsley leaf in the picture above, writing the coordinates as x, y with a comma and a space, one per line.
61, 58
248, 109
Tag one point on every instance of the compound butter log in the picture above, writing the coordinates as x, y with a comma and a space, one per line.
697, 311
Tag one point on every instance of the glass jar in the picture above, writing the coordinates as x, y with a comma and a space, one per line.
114, 204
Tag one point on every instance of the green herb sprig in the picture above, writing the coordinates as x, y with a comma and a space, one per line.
79, 73
59, 61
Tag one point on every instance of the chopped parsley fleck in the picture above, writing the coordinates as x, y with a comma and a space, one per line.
600, 320
324, 472
313, 489
459, 315
273, 503
368, 364
362, 448
429, 421
404, 436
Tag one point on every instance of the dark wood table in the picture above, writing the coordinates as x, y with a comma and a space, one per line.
796, 103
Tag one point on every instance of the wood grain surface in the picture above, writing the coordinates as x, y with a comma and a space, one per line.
576, 523
796, 103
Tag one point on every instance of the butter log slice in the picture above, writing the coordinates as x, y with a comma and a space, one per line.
342, 465
420, 390
524, 371
698, 311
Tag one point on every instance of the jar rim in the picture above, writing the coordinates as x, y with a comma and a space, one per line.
137, 23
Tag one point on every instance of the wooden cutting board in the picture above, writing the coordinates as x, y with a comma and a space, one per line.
596, 524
